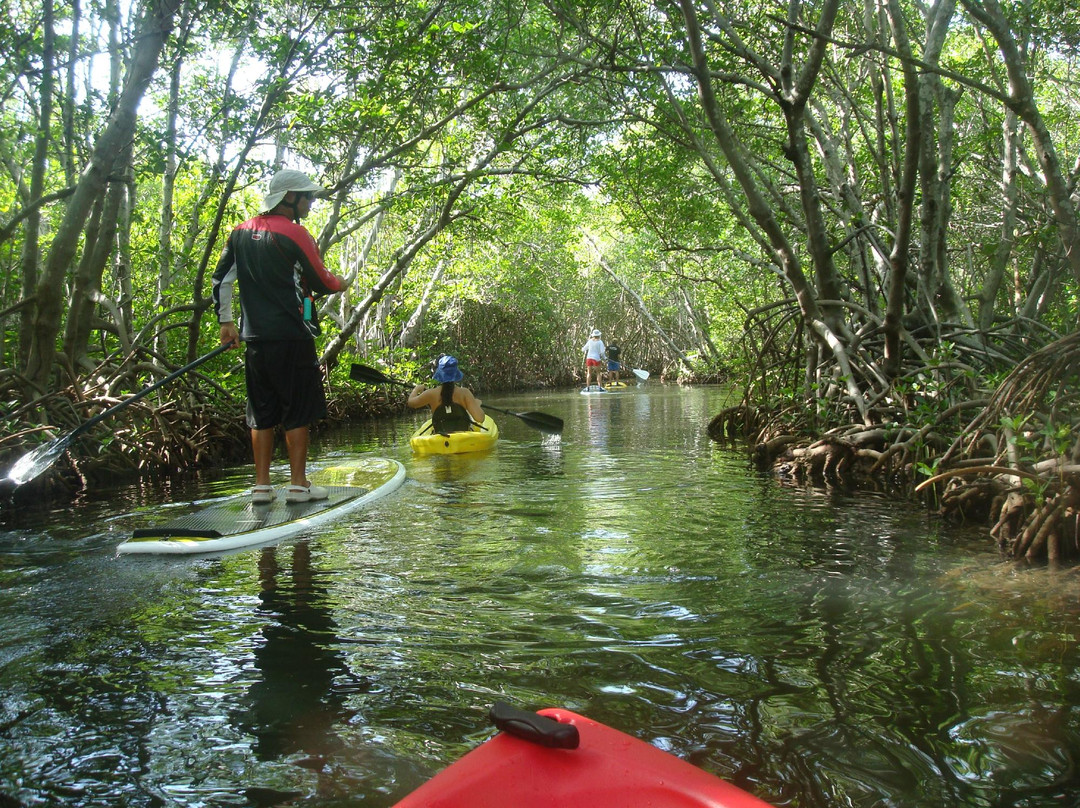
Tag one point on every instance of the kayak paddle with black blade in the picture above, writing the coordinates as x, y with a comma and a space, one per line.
548, 424
31, 465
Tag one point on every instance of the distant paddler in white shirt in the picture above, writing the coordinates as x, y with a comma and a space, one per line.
593, 352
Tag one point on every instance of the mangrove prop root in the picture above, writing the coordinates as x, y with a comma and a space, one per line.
1036, 520
966, 501
1037, 535
1011, 516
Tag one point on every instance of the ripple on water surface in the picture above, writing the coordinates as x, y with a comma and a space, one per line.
818, 647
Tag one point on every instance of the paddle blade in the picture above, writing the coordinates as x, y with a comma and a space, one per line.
641, 374
31, 465
548, 424
368, 375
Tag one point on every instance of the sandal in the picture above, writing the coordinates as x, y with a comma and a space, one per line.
305, 493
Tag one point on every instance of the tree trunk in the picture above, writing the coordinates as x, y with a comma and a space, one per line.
1022, 102
995, 275
936, 291
700, 329
1045, 278
31, 249
410, 333
887, 130
783, 253
846, 185
162, 298
85, 291
951, 302
125, 293
101, 244
120, 129
70, 169
797, 87
905, 196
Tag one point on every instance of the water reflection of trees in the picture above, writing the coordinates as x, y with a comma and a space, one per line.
294, 706
895, 702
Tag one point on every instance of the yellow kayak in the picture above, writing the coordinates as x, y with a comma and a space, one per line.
480, 437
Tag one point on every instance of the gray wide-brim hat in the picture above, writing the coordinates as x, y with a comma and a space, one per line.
288, 179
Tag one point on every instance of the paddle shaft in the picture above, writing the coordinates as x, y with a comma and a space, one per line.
32, 464
537, 420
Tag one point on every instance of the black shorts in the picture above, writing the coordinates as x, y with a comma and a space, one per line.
284, 384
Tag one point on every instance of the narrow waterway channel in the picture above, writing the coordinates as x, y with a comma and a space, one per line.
815, 647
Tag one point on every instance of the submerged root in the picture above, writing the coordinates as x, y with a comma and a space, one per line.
734, 422
971, 501
830, 459
1033, 513
1009, 457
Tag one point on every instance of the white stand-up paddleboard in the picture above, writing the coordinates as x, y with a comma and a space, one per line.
238, 522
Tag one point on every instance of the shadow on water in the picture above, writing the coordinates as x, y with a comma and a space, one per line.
817, 648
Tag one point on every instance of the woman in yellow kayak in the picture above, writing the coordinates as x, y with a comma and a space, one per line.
453, 408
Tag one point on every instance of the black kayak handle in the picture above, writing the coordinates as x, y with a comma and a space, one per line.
532, 727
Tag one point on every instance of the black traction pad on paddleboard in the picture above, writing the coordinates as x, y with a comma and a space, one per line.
174, 532
241, 515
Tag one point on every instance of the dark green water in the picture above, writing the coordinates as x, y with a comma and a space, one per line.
816, 648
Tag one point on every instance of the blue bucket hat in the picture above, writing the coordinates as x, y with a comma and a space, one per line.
447, 370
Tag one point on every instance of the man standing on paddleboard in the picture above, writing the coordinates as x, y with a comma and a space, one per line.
276, 263
614, 366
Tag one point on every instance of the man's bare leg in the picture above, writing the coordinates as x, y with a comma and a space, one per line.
296, 442
262, 447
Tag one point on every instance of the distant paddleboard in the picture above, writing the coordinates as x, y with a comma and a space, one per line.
238, 522
591, 389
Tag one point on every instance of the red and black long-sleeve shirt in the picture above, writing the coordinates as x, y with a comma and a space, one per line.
276, 263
